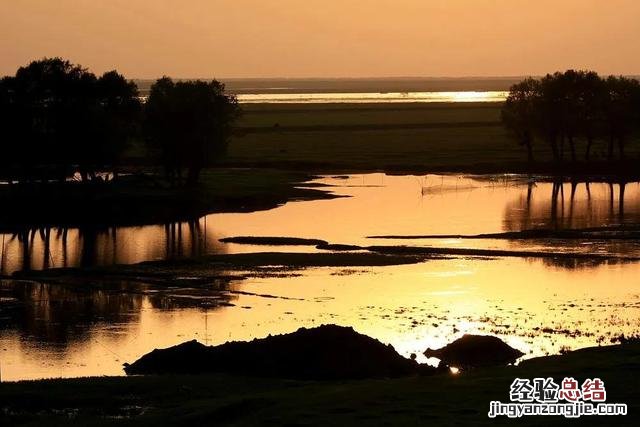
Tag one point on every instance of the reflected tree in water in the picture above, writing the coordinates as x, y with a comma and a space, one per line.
46, 247
68, 313
545, 205
62, 314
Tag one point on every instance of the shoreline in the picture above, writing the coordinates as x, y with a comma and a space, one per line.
146, 200
136, 200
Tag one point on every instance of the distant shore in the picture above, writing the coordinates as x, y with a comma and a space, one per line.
379, 85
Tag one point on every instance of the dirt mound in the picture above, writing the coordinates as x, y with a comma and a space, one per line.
476, 350
326, 352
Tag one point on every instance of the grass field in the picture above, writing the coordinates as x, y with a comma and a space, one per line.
371, 136
455, 137
404, 137
285, 115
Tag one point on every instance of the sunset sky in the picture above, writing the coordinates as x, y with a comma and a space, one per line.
324, 38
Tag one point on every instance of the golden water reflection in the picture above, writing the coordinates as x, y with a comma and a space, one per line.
373, 97
79, 331
375, 204
42, 248
538, 306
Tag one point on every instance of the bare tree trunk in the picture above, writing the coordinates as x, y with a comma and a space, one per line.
46, 237
621, 201
621, 147
589, 144
610, 154
529, 146
611, 198
574, 187
572, 146
193, 175
554, 148
555, 191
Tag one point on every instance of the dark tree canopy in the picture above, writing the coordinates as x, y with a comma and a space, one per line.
571, 107
118, 118
621, 110
518, 113
59, 118
190, 122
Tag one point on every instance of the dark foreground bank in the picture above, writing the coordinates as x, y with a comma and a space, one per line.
217, 399
147, 198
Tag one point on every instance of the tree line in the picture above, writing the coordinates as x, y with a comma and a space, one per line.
566, 111
59, 119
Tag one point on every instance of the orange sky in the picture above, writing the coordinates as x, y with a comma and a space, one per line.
324, 38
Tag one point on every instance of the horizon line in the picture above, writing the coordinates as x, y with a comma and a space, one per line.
470, 77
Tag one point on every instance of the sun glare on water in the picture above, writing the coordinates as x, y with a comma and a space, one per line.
475, 96
373, 97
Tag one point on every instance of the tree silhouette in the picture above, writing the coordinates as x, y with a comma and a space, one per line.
118, 119
571, 107
12, 150
518, 113
621, 107
57, 99
592, 96
190, 122
60, 119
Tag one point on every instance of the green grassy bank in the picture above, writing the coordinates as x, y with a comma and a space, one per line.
454, 137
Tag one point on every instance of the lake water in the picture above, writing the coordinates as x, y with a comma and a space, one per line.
374, 97
539, 306
285, 97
